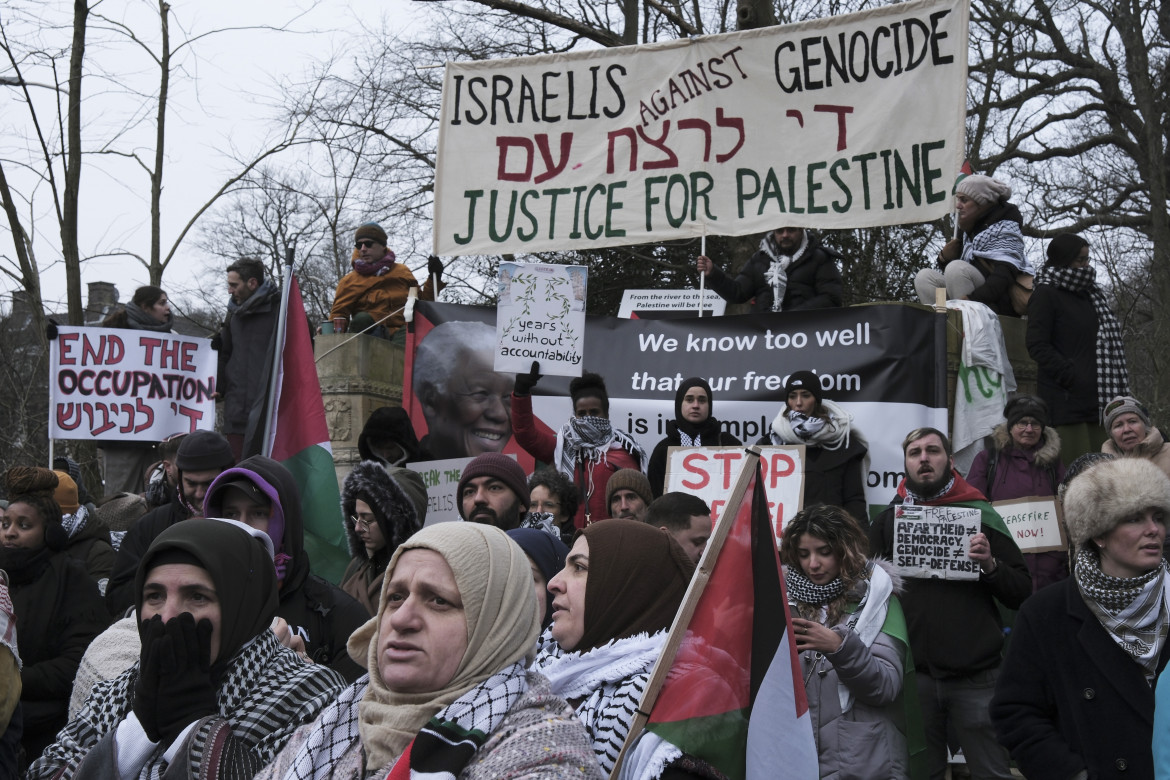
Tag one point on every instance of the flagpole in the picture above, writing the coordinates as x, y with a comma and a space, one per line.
686, 610
702, 276
278, 355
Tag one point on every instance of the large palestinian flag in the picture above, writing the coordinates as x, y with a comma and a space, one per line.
734, 696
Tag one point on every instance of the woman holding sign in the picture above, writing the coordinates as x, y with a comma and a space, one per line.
853, 644
1075, 696
834, 464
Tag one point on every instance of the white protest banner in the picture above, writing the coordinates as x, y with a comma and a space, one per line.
710, 473
931, 542
844, 122
137, 385
1034, 522
442, 480
648, 303
541, 316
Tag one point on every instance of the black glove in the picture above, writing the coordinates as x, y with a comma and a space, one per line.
174, 685
434, 266
217, 341
51, 330
525, 382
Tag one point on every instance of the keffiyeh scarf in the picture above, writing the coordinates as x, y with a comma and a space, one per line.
830, 432
604, 685
74, 523
777, 274
999, 242
1112, 376
587, 440
8, 620
1135, 611
442, 748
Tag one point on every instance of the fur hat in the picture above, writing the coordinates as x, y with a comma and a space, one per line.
984, 189
204, 451
66, 493
628, 479
370, 230
499, 466
1123, 404
1103, 496
397, 497
1026, 406
804, 380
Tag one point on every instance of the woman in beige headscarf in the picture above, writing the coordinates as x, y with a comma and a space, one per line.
447, 690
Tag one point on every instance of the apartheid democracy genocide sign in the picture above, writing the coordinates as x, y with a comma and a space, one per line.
111, 384
931, 542
882, 363
844, 122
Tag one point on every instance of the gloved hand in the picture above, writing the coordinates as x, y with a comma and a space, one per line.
50, 330
174, 685
217, 341
525, 382
434, 266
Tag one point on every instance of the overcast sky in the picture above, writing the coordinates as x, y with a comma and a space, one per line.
223, 101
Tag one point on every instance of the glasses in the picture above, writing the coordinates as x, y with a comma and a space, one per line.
365, 243
360, 522
1028, 424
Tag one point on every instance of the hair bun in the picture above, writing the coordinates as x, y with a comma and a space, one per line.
29, 480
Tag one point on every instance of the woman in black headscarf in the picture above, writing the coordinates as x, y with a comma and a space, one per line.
693, 426
214, 694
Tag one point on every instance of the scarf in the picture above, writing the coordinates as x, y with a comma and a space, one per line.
1134, 611
934, 498
777, 274
376, 268
74, 523
8, 621
1112, 376
691, 434
607, 681
588, 439
140, 320
830, 432
495, 585
24, 565
804, 590
998, 239
444, 745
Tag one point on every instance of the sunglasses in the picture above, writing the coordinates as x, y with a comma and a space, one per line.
363, 244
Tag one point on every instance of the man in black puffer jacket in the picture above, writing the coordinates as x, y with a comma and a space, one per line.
791, 270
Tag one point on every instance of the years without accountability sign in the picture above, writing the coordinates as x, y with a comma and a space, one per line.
844, 122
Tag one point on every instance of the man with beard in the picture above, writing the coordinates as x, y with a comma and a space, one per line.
493, 490
791, 270
243, 343
956, 633
201, 457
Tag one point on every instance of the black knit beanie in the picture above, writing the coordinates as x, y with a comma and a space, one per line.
204, 451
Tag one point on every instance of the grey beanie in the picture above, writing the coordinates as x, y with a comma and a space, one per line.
984, 189
1103, 496
1123, 404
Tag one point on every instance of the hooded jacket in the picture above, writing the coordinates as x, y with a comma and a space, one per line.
120, 587
321, 613
1154, 448
244, 351
709, 432
814, 282
398, 499
391, 423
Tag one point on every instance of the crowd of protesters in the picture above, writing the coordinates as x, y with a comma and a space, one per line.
175, 629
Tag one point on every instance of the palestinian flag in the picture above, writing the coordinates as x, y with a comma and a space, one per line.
964, 172
298, 437
734, 696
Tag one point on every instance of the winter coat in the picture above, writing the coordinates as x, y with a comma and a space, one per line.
266, 693
998, 277
1069, 698
867, 741
1154, 447
656, 471
1062, 339
814, 282
1162, 729
245, 354
92, 549
399, 512
955, 625
1019, 473
58, 613
538, 738
834, 477
320, 612
120, 588
539, 441
391, 423
379, 296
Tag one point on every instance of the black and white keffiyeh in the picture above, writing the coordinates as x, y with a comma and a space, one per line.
999, 242
606, 683
1112, 376
830, 432
588, 440
804, 590
442, 748
1134, 611
777, 274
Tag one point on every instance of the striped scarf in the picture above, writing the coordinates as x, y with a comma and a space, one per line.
588, 439
1112, 376
1135, 611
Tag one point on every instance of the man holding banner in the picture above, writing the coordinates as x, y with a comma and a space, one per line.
791, 270
956, 633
